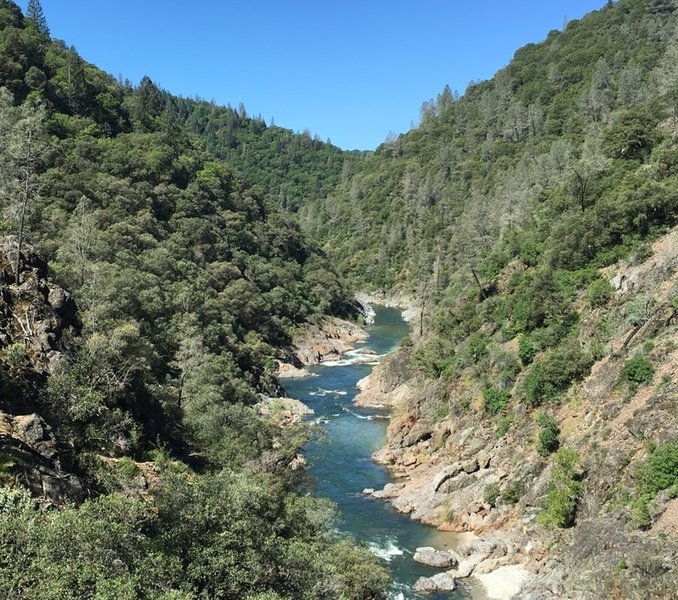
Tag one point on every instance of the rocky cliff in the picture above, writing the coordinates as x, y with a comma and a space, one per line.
37, 318
460, 469
314, 343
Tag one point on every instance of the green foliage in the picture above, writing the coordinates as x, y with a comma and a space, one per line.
217, 536
527, 349
659, 472
560, 368
512, 492
447, 514
496, 399
503, 425
549, 432
565, 490
188, 280
491, 494
15, 501
441, 411
637, 370
598, 292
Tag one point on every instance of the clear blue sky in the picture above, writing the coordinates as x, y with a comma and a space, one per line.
347, 70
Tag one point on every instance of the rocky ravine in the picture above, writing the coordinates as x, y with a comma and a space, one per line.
455, 472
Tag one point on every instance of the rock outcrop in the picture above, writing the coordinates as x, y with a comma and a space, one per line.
312, 344
441, 582
37, 318
30, 454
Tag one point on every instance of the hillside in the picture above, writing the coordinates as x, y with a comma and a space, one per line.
147, 290
160, 256
532, 223
563, 157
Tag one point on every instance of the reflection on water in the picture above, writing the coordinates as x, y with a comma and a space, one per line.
340, 460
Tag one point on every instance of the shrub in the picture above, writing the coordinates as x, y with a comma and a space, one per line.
513, 491
548, 440
496, 399
447, 514
598, 293
637, 370
559, 369
15, 501
441, 411
503, 425
527, 349
659, 472
560, 506
491, 493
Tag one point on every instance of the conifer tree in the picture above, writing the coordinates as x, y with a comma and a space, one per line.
34, 12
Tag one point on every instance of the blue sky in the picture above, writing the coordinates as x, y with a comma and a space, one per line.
349, 71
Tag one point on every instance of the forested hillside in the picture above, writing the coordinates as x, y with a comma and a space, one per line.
157, 253
147, 288
567, 150
532, 221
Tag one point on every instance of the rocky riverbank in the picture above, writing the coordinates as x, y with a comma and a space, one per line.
460, 469
312, 344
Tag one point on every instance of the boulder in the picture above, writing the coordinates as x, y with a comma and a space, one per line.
442, 582
35, 433
441, 559
470, 466
445, 474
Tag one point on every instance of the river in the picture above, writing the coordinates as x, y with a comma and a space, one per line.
340, 462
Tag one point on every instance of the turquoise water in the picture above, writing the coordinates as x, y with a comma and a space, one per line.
340, 463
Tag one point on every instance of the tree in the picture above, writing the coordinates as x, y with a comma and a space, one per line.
22, 140
77, 248
34, 12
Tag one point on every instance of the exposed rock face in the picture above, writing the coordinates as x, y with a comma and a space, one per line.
30, 446
37, 315
313, 344
36, 319
387, 384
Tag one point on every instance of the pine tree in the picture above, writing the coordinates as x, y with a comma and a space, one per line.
34, 12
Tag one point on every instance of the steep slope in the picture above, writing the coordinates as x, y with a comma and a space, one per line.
137, 394
581, 491
566, 151
532, 221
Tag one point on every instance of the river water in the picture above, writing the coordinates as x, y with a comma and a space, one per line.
340, 462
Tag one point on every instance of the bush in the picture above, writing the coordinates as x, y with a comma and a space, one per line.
548, 440
513, 491
491, 493
527, 349
598, 293
503, 425
559, 369
560, 506
637, 370
659, 472
496, 399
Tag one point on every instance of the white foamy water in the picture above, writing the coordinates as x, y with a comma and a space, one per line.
358, 356
399, 591
357, 416
386, 549
321, 392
